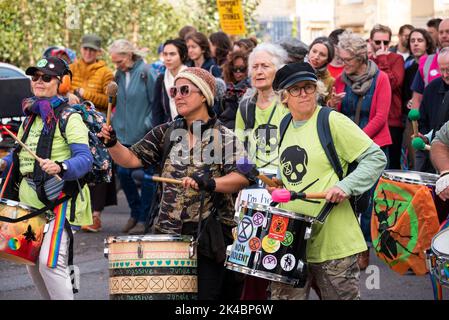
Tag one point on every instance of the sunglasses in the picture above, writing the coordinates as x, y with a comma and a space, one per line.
45, 77
239, 69
185, 90
378, 42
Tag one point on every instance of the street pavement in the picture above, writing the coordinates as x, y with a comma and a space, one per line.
378, 282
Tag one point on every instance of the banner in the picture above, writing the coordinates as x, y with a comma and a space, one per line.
232, 20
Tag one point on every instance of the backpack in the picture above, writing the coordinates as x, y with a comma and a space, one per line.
359, 203
102, 166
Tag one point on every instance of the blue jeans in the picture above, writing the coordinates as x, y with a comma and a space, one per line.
138, 203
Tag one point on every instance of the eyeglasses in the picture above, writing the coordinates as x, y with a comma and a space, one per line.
239, 69
185, 90
378, 42
347, 60
296, 91
45, 77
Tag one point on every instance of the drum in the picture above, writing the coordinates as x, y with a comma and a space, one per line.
270, 244
439, 257
404, 220
151, 267
20, 242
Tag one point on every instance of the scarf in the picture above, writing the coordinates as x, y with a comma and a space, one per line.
361, 84
169, 81
43, 107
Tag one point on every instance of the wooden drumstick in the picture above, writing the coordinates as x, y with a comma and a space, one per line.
267, 181
167, 180
35, 156
111, 92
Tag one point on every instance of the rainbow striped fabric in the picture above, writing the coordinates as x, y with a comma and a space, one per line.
58, 228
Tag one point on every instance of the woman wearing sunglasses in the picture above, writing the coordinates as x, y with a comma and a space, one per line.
207, 182
235, 73
68, 157
321, 53
175, 58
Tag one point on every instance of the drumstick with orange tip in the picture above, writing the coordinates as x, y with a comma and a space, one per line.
111, 92
35, 156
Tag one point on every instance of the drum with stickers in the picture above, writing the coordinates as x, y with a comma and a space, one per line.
151, 267
271, 244
439, 257
21, 241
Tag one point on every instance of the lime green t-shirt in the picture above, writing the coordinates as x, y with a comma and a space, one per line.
264, 137
303, 161
76, 132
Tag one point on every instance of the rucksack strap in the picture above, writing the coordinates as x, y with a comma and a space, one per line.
426, 69
285, 122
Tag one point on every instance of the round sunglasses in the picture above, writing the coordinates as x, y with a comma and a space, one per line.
184, 90
239, 69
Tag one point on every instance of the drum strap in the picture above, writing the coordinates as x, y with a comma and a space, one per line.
68, 229
35, 213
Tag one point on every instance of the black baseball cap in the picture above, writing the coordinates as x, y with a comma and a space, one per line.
52, 66
293, 73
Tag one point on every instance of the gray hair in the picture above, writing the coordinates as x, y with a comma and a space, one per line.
123, 47
354, 44
278, 54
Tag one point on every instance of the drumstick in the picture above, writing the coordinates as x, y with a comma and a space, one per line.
111, 91
414, 116
419, 144
35, 156
284, 195
246, 167
166, 180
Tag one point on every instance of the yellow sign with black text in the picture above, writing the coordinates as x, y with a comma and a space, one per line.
232, 20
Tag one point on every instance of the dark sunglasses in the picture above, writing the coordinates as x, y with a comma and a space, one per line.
185, 90
378, 42
239, 69
45, 77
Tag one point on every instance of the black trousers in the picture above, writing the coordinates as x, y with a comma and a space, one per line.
394, 151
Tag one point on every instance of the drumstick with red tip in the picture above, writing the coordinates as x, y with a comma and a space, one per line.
284, 195
246, 167
35, 156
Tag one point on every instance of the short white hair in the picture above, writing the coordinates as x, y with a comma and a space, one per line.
278, 54
123, 47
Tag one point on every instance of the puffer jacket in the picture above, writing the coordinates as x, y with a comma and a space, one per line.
93, 78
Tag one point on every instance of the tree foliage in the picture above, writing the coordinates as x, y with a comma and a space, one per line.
30, 26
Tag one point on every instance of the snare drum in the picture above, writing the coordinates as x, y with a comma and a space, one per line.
270, 244
439, 257
151, 267
20, 242
404, 219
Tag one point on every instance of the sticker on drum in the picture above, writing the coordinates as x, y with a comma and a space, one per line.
246, 229
258, 219
288, 239
254, 244
288, 262
278, 227
269, 262
270, 245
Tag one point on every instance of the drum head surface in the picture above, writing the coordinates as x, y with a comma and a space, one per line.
440, 242
413, 177
150, 238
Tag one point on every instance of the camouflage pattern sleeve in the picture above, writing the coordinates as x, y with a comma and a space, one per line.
149, 150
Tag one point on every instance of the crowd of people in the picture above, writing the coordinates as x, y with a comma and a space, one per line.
243, 91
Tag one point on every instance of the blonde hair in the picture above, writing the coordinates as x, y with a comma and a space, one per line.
123, 47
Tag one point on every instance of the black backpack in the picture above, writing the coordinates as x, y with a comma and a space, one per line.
359, 203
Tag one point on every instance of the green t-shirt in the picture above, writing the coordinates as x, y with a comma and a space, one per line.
302, 162
264, 137
76, 132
